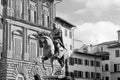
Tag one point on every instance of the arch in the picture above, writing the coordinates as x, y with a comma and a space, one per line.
20, 77
37, 77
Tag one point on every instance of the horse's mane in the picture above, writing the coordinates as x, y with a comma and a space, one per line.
43, 34
46, 37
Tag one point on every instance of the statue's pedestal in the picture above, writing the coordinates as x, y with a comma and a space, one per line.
50, 78
61, 77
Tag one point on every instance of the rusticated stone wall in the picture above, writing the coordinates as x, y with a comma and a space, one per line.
3, 69
13, 68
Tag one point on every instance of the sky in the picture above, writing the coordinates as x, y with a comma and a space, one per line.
96, 20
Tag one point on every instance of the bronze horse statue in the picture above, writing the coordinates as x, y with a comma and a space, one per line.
48, 46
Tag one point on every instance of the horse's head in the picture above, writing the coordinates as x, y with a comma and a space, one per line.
44, 40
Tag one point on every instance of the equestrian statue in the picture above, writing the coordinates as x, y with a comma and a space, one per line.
51, 44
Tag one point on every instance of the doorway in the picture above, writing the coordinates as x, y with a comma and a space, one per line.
37, 77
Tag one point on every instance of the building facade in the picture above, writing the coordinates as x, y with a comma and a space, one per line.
84, 66
103, 50
114, 61
1, 28
110, 60
67, 33
21, 54
110, 52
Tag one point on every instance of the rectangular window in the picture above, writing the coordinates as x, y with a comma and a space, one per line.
80, 74
32, 16
101, 49
117, 67
29, 15
92, 75
17, 48
71, 74
70, 34
35, 16
11, 8
106, 78
117, 53
87, 62
92, 63
43, 20
65, 32
33, 49
76, 60
46, 12
76, 74
106, 67
98, 64
48, 21
80, 61
98, 75
19, 9
71, 61
87, 75
33, 12
70, 47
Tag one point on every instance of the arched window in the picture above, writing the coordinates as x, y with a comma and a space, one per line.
20, 77
106, 67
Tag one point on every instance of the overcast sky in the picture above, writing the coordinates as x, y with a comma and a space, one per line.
97, 20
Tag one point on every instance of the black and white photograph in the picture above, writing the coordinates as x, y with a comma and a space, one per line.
59, 39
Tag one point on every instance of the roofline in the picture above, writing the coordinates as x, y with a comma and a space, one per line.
111, 47
86, 54
65, 21
118, 31
104, 43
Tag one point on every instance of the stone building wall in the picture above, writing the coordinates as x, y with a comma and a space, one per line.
27, 69
20, 60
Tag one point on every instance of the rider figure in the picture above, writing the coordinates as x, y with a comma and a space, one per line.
56, 35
